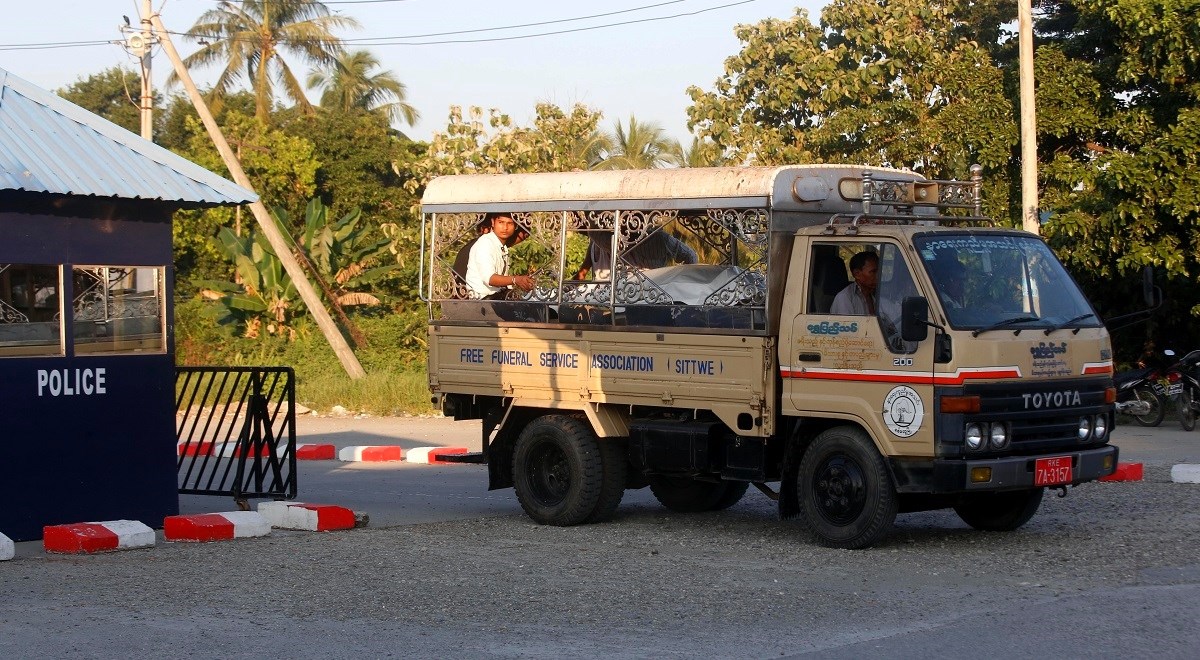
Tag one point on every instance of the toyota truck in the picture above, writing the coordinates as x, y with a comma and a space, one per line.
979, 378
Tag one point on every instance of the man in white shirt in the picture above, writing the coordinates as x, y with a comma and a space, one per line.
487, 267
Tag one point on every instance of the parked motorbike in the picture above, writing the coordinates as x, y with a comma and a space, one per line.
1184, 385
1141, 395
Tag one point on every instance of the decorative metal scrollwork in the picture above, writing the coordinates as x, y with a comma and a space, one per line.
633, 286
748, 289
956, 193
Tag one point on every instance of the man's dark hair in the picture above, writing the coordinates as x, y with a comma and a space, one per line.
859, 260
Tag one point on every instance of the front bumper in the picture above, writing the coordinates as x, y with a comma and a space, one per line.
1008, 473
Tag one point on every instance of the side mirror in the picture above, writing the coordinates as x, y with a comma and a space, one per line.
914, 319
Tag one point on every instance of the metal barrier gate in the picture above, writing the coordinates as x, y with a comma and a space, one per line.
236, 431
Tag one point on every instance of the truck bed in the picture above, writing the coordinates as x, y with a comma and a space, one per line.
733, 376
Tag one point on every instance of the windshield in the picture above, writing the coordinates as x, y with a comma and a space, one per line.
992, 281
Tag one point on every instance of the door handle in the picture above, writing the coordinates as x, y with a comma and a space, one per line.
809, 357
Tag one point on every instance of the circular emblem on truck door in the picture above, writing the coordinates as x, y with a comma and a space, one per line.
903, 411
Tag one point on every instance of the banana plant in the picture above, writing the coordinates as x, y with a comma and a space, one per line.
264, 298
344, 252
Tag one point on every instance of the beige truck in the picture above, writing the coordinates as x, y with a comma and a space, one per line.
678, 331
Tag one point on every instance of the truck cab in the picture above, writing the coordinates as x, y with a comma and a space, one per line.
973, 374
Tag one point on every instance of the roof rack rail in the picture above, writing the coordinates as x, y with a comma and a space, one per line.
856, 220
906, 195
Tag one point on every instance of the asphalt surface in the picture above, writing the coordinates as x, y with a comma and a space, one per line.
447, 569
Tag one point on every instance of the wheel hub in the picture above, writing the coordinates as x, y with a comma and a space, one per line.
550, 474
840, 490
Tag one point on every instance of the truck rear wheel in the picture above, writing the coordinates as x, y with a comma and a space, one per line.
687, 495
999, 512
845, 489
558, 470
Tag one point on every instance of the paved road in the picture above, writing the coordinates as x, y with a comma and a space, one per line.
455, 572
403, 493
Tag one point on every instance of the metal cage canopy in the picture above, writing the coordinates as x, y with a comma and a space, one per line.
49, 145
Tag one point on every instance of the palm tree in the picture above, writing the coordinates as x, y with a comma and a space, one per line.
348, 83
702, 153
248, 37
640, 146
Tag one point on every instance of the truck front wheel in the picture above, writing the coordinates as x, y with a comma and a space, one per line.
845, 490
558, 470
999, 512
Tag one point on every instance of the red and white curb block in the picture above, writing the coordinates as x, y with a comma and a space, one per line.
370, 453
1126, 472
430, 455
225, 526
1185, 473
304, 452
8, 549
310, 452
97, 537
311, 517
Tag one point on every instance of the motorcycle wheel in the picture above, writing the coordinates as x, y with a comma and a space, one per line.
1158, 408
1187, 409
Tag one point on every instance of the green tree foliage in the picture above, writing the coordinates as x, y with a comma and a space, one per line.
882, 83
264, 299
363, 162
1119, 89
701, 153
350, 83
112, 94
248, 38
282, 170
637, 146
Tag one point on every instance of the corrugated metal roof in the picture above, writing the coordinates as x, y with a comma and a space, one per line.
50, 145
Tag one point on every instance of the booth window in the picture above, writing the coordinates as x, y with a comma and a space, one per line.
118, 309
30, 322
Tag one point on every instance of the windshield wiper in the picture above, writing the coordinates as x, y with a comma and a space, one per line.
1064, 324
1006, 322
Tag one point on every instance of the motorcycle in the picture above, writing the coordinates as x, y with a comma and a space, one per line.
1184, 379
1141, 394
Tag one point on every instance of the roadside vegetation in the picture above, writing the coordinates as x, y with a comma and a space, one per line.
930, 87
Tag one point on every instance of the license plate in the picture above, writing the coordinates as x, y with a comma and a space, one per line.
1175, 388
1052, 471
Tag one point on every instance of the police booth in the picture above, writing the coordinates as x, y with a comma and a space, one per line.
87, 365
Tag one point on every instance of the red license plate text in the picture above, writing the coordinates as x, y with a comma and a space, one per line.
1052, 471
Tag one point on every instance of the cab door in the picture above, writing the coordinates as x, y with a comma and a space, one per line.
855, 366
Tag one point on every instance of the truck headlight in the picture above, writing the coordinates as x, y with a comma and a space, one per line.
973, 435
998, 435
1085, 428
1101, 427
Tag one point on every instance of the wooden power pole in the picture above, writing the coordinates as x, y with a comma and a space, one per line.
265, 221
1029, 179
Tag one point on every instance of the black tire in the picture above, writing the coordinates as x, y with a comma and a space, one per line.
845, 491
734, 491
999, 512
1158, 408
613, 461
1187, 409
558, 470
687, 495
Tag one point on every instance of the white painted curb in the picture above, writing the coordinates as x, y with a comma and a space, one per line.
247, 524
131, 534
1185, 473
7, 548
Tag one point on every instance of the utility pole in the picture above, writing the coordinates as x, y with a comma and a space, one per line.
147, 102
1029, 179
265, 222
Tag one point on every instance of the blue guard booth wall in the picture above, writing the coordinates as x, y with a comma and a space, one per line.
87, 437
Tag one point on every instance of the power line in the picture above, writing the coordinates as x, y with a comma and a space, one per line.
396, 40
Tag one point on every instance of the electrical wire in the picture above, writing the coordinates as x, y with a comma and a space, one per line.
400, 40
